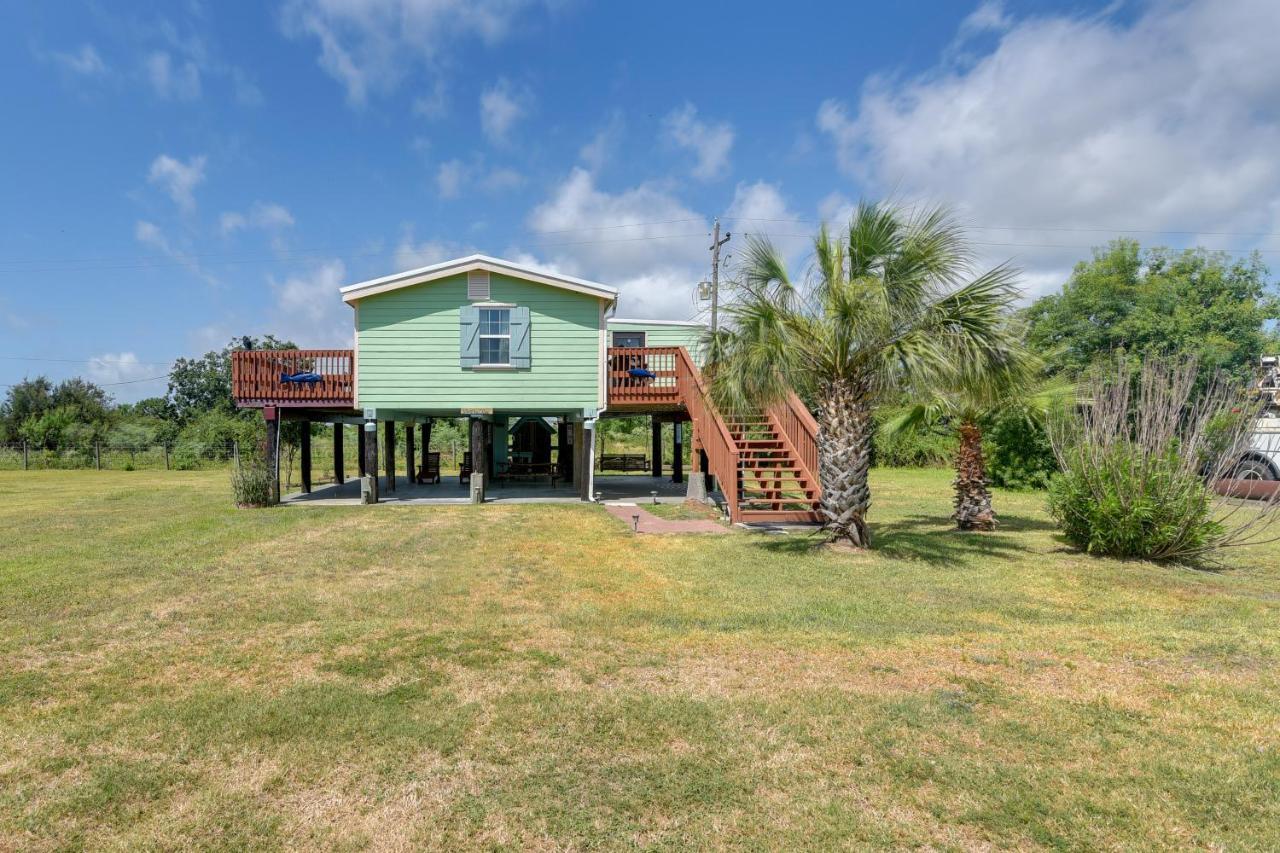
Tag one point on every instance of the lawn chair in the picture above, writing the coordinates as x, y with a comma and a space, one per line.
429, 472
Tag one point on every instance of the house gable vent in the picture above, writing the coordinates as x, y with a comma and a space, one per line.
477, 284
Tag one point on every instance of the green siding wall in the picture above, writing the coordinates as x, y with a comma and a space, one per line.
689, 337
408, 350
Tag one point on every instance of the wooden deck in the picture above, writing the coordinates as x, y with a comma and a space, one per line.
259, 378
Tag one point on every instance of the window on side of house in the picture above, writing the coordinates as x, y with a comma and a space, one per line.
628, 339
495, 336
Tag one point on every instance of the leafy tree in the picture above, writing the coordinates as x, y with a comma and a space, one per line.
973, 400
891, 301
48, 415
198, 385
29, 398
1158, 303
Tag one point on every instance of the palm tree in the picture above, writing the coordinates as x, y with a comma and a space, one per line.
968, 402
892, 301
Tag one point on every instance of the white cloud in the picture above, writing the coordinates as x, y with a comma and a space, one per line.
628, 240
150, 234
710, 142
411, 255
454, 176
178, 179
1169, 120
434, 104
502, 180
501, 106
449, 178
601, 147
84, 61
308, 308
265, 216
118, 367
173, 81
369, 46
760, 209
231, 222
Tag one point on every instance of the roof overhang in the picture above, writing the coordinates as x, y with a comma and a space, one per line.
353, 292
692, 324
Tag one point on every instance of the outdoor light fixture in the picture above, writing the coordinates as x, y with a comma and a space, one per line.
635, 522
655, 497
599, 497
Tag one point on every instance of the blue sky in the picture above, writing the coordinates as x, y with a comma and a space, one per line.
178, 173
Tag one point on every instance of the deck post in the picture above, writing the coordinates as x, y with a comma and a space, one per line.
410, 457
677, 452
697, 488
360, 452
272, 448
655, 428
389, 442
564, 451
369, 457
339, 463
426, 440
305, 448
478, 473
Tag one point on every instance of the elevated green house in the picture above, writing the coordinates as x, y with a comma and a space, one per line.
532, 358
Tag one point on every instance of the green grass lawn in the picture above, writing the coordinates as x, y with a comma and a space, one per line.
177, 673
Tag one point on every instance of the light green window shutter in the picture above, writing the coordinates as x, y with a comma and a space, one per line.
520, 337
468, 336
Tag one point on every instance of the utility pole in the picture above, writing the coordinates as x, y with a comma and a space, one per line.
716, 243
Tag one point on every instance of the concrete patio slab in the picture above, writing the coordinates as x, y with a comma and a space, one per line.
637, 488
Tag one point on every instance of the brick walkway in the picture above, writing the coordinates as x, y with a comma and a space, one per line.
650, 523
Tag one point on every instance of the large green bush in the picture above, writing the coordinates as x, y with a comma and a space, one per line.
926, 448
1019, 455
251, 480
1126, 504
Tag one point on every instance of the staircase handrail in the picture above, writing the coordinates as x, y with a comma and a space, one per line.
800, 431
723, 455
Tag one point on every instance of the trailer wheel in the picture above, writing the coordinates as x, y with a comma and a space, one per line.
1253, 469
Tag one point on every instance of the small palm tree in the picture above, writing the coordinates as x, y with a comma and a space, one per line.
891, 302
970, 401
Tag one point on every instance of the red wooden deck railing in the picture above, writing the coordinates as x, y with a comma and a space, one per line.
644, 376
800, 430
723, 456
257, 377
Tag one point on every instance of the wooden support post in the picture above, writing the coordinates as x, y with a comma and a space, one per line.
97, 456
339, 462
369, 457
389, 442
410, 457
361, 455
477, 461
26, 457
656, 429
582, 462
426, 440
166, 457
564, 451
677, 452
305, 451
272, 449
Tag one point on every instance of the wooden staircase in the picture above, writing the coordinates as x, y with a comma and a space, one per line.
765, 462
773, 482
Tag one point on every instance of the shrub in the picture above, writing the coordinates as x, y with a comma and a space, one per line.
911, 448
251, 480
1132, 506
1138, 463
1019, 455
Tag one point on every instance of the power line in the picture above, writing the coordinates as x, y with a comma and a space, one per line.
624, 225
1089, 229
83, 360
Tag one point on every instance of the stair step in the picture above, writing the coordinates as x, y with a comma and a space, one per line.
784, 516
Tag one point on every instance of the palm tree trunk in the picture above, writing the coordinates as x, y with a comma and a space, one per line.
973, 498
844, 458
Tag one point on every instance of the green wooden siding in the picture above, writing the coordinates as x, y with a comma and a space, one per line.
659, 335
408, 350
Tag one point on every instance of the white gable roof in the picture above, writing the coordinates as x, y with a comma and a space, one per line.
352, 292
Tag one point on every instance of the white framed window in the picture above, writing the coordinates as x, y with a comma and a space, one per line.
495, 336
